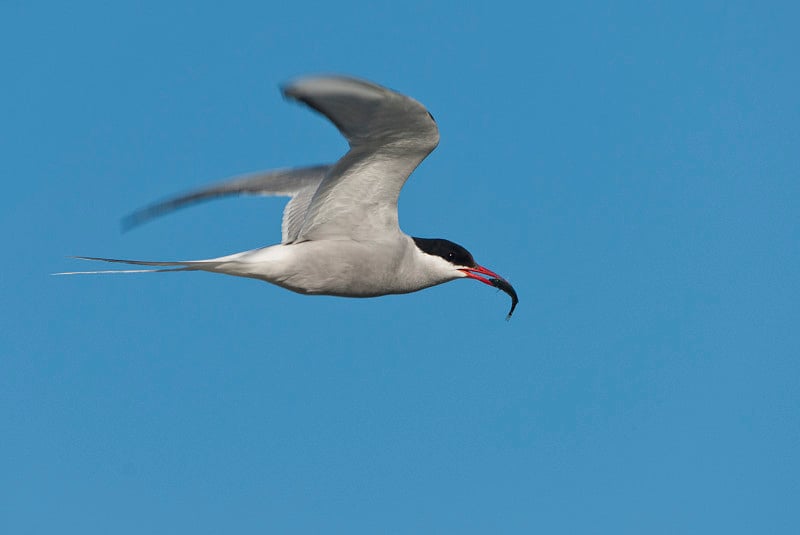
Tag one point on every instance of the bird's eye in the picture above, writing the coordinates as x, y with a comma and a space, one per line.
451, 255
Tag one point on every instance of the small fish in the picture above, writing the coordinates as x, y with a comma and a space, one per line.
502, 284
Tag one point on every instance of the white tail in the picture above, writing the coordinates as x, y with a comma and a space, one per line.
175, 266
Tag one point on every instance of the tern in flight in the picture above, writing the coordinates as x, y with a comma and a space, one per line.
340, 232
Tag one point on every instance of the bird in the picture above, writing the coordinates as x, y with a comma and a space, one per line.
340, 233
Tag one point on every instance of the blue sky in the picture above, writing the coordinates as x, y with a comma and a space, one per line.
631, 167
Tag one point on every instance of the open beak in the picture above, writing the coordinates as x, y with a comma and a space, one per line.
495, 281
472, 274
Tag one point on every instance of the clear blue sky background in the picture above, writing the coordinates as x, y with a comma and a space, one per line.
631, 167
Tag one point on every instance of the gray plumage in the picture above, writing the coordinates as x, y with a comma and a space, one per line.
340, 233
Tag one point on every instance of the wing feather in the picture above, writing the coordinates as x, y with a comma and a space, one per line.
389, 135
299, 184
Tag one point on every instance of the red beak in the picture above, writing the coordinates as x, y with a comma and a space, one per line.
496, 281
472, 274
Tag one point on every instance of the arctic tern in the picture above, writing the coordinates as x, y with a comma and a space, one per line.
340, 233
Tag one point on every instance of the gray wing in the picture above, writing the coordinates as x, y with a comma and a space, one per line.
389, 135
299, 184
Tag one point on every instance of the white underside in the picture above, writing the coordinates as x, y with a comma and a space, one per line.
339, 267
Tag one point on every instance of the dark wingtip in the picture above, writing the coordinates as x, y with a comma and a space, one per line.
288, 89
138, 218
285, 90
128, 223
158, 209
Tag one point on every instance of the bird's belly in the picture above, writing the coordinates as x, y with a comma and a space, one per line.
337, 283
345, 269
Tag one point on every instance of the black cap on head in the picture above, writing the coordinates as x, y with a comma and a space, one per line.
452, 252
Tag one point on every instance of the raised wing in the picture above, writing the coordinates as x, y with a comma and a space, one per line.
389, 135
299, 184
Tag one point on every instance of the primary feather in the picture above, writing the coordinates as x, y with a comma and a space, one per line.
299, 184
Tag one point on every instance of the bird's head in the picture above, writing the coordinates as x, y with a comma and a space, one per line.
454, 261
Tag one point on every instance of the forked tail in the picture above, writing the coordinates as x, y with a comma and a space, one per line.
164, 266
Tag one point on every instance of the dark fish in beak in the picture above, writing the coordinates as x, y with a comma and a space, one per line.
495, 280
504, 285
